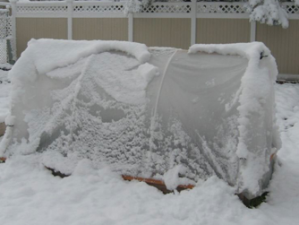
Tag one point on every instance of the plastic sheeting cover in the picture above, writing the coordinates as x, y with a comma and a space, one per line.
142, 118
197, 115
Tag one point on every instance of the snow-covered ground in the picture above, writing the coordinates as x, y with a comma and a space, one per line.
30, 195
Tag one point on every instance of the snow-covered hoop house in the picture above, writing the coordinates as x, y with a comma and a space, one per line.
160, 113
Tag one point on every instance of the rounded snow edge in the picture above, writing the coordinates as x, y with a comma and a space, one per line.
247, 50
65, 52
253, 51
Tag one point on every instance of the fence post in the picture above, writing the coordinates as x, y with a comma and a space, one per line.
14, 27
130, 27
193, 21
69, 19
252, 31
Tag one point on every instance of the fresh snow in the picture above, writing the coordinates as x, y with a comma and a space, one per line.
94, 195
267, 11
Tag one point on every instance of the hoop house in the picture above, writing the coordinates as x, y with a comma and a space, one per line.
158, 113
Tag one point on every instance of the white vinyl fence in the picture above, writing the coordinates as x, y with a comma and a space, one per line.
72, 10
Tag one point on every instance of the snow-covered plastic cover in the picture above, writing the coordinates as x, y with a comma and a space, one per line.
149, 112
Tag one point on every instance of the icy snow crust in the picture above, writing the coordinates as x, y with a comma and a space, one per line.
157, 112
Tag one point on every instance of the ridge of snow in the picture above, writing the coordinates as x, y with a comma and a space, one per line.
45, 55
252, 51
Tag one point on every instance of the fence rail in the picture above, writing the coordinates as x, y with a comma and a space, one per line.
102, 9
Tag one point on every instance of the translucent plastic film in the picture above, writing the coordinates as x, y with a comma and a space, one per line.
196, 115
141, 119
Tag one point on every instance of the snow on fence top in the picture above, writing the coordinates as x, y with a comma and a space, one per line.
147, 112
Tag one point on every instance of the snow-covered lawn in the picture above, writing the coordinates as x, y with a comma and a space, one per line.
30, 195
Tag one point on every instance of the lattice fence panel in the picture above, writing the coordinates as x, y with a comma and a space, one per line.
3, 51
3, 36
3, 21
167, 8
41, 9
98, 8
222, 8
291, 9
9, 28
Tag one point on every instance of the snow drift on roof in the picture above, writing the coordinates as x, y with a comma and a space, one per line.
45, 54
